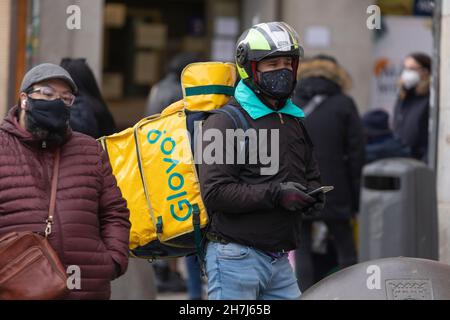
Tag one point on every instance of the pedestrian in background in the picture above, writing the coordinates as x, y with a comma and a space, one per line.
412, 109
380, 140
90, 114
336, 130
168, 90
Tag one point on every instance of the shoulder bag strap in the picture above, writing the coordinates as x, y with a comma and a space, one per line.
312, 105
51, 211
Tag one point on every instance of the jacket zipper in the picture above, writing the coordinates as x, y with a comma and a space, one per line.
281, 118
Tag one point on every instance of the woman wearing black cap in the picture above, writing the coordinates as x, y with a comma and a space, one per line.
412, 107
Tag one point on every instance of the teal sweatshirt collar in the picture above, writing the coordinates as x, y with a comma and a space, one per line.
250, 102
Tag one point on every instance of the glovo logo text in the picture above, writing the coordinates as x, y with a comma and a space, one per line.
175, 180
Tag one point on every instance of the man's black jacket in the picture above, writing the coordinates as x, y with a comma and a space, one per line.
242, 202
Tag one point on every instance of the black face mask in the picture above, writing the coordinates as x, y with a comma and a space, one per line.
52, 116
277, 84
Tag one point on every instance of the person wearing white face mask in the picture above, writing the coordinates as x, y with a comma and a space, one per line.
412, 107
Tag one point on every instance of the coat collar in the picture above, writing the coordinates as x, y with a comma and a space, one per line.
11, 125
257, 109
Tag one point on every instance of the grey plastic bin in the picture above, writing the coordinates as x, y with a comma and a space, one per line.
398, 210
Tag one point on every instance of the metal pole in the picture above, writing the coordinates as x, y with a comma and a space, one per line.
12, 97
434, 90
279, 6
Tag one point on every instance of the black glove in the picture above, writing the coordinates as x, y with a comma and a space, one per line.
317, 206
293, 196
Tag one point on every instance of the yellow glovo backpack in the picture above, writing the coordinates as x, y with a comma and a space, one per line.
154, 166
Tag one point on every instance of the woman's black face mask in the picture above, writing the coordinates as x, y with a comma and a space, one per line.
52, 116
47, 120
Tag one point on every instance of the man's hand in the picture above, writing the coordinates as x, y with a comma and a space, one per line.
317, 206
293, 196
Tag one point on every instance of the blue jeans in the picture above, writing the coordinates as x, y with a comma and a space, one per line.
237, 272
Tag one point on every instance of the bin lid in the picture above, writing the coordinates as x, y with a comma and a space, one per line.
394, 166
399, 278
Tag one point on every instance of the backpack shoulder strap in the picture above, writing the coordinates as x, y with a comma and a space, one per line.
235, 115
241, 123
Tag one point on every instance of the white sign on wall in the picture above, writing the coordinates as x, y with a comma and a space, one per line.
317, 37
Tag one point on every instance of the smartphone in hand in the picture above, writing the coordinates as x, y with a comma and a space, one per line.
323, 189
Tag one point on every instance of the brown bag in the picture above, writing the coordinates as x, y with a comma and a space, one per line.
29, 267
